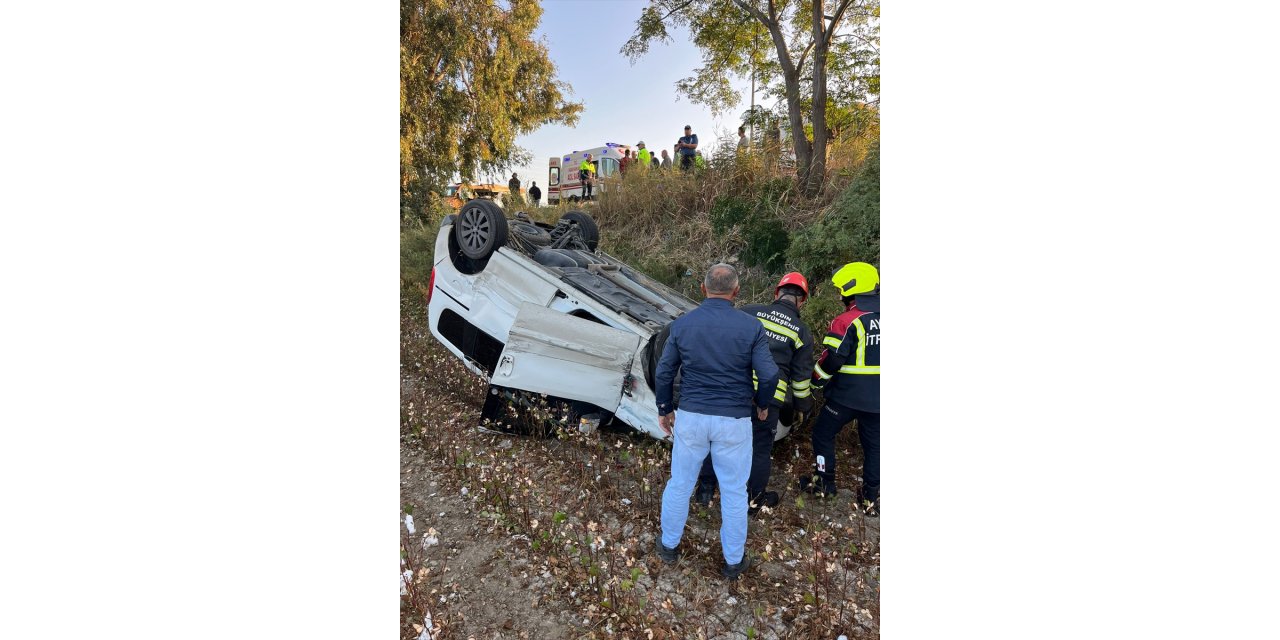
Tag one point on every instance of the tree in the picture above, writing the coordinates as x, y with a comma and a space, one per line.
844, 45
472, 79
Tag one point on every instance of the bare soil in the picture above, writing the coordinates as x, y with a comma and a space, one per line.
524, 537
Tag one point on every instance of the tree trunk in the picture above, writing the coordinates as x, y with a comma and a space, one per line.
803, 151
791, 78
818, 170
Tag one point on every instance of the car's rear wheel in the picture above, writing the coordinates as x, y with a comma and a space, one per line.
590, 231
480, 229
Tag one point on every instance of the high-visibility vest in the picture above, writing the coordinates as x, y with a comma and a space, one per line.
645, 157
584, 168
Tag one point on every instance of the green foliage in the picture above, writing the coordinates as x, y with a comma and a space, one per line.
735, 42
728, 212
779, 47
417, 251
767, 242
759, 220
848, 232
472, 79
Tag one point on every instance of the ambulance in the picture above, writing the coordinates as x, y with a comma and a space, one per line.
562, 171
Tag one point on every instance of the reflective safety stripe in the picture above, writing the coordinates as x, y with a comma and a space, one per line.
834, 343
861, 359
782, 384
821, 374
780, 395
781, 330
859, 366
800, 388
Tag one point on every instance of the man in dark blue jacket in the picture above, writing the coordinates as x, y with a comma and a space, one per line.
716, 348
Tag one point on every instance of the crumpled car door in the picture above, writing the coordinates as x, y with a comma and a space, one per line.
565, 356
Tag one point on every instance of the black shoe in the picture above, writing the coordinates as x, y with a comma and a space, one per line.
703, 494
764, 499
732, 571
669, 556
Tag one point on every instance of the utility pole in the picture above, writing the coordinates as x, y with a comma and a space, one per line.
755, 31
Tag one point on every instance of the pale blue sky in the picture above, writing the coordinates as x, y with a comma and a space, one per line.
621, 103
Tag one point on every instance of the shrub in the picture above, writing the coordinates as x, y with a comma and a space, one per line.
767, 242
850, 229
728, 212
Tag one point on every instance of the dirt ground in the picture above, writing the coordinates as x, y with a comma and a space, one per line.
552, 537
478, 588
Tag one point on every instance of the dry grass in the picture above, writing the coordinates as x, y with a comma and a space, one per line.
584, 509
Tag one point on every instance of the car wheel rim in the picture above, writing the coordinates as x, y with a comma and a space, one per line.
475, 229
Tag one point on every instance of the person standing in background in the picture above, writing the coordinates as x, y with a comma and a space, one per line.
586, 173
687, 147
643, 155
625, 162
513, 187
535, 194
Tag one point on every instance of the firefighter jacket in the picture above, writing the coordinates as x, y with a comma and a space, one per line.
848, 370
791, 345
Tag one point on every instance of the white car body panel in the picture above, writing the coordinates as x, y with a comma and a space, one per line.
560, 355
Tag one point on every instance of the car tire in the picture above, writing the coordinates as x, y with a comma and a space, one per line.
590, 231
480, 229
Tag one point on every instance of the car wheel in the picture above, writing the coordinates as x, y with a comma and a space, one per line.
480, 229
587, 225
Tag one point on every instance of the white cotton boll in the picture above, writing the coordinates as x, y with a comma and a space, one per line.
408, 523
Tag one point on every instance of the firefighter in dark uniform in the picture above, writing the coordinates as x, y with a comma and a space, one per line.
791, 345
848, 372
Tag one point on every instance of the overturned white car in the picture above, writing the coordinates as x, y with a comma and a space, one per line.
537, 308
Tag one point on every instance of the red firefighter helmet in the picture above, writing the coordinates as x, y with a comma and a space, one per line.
795, 278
